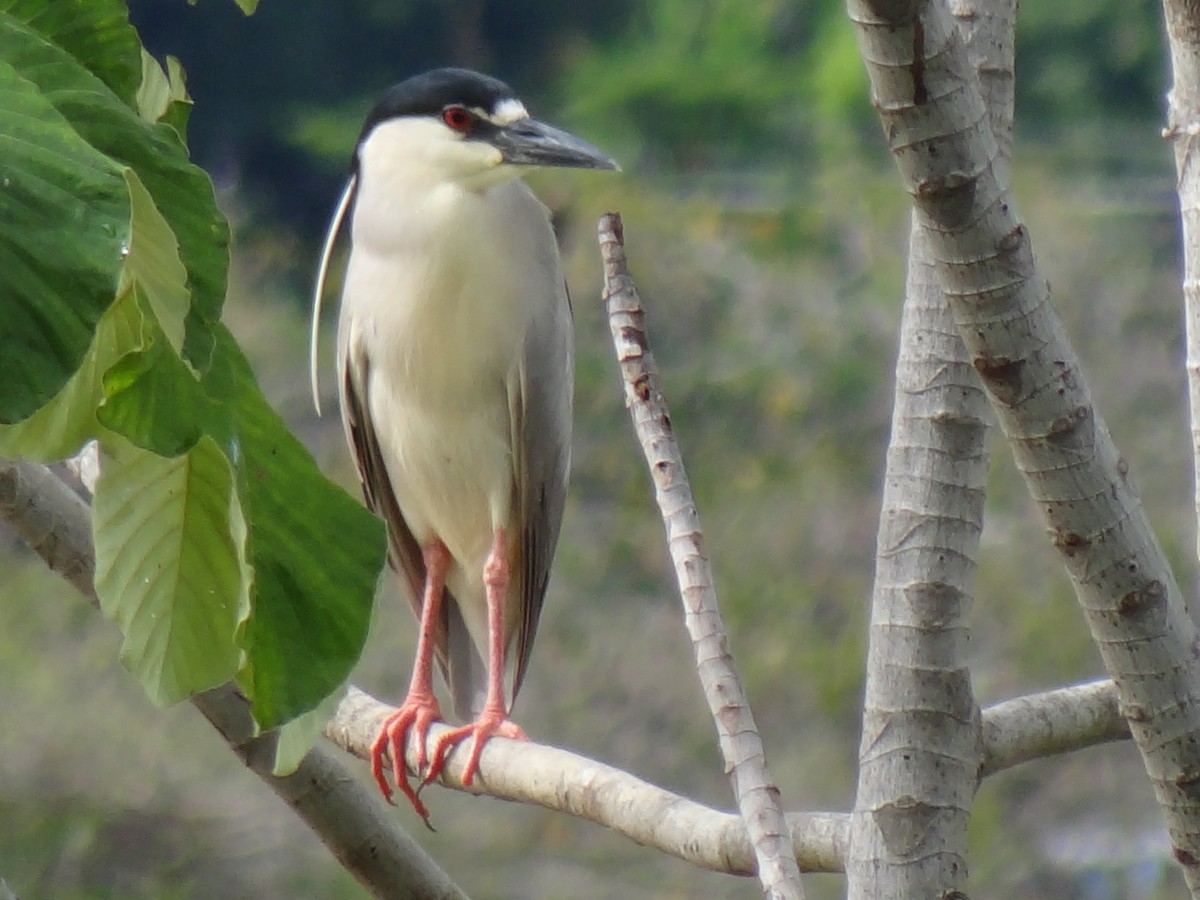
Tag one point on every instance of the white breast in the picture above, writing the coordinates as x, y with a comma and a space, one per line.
439, 294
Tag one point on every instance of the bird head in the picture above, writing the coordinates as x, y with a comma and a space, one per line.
455, 125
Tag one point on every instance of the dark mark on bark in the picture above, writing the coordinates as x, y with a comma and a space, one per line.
1072, 431
920, 91
1011, 242
1069, 543
1002, 376
1144, 600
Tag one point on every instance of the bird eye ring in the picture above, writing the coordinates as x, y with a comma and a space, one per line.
457, 118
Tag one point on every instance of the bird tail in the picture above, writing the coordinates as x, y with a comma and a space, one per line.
466, 670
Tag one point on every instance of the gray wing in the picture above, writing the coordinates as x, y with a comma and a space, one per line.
404, 554
542, 438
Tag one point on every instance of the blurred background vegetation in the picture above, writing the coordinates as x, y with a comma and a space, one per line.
766, 228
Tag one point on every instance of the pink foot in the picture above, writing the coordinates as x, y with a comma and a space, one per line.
490, 723
416, 714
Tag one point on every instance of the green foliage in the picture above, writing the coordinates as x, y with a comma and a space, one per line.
58, 191
1065, 79
163, 95
171, 565
113, 260
738, 93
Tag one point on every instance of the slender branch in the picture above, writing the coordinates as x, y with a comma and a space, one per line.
52, 520
1183, 130
937, 129
1037, 726
741, 745
353, 822
1034, 726
567, 782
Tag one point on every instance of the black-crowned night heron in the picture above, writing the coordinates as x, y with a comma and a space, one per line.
455, 368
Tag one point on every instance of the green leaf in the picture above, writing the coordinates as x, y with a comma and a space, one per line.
170, 565
181, 191
163, 95
153, 263
61, 426
97, 34
112, 259
153, 399
298, 736
152, 274
56, 192
317, 554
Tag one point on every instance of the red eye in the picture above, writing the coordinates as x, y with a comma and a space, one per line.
457, 118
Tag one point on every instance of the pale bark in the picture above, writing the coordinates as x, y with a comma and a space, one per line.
588, 789
757, 797
1014, 731
937, 128
1040, 725
919, 757
353, 822
919, 754
1183, 130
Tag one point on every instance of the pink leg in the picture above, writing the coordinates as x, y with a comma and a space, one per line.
493, 720
420, 708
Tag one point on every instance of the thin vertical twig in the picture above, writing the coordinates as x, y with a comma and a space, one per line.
757, 796
1183, 130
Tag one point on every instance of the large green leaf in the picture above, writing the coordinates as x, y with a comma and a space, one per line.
64, 228
152, 274
155, 151
61, 426
317, 554
112, 259
170, 565
96, 33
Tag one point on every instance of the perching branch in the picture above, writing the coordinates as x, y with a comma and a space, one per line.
741, 745
937, 128
55, 522
1014, 731
567, 782
352, 821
